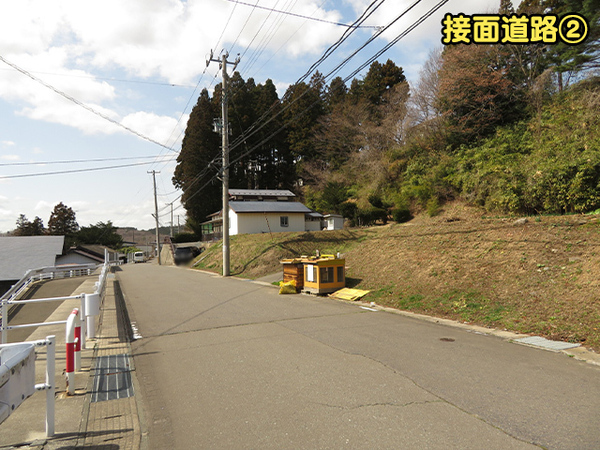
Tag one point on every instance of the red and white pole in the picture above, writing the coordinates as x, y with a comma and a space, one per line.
73, 323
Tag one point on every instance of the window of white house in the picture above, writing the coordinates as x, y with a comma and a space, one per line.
283, 221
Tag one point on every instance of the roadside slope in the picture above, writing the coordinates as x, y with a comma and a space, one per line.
538, 276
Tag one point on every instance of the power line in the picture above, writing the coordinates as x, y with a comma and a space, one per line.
242, 138
62, 172
83, 105
387, 47
268, 36
75, 161
329, 51
119, 80
373, 6
301, 16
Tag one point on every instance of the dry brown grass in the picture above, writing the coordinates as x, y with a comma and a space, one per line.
541, 277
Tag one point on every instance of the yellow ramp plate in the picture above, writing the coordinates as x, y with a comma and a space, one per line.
349, 294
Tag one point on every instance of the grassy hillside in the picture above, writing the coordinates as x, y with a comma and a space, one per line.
540, 277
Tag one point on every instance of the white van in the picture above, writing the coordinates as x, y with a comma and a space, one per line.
139, 257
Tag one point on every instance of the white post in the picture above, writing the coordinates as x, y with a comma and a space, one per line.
83, 321
70, 351
92, 309
4, 322
50, 388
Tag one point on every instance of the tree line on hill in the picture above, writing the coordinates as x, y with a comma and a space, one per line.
513, 128
62, 222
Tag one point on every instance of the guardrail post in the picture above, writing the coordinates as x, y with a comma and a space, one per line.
92, 309
70, 356
4, 322
82, 320
50, 388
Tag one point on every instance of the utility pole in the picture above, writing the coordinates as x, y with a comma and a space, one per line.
171, 217
156, 216
225, 147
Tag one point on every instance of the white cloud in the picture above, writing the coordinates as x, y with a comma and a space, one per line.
10, 157
44, 205
162, 129
8, 143
63, 42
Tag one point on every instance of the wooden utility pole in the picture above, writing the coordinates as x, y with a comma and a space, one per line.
171, 217
156, 216
225, 147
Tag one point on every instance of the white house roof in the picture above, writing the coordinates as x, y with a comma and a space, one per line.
18, 254
269, 207
262, 192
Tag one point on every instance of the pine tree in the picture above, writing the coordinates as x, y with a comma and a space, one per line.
62, 221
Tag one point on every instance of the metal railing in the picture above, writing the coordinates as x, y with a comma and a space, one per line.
47, 273
50, 273
79, 324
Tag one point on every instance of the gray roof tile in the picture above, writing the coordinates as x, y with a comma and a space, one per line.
269, 207
18, 254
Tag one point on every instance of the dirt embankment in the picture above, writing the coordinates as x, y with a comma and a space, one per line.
540, 275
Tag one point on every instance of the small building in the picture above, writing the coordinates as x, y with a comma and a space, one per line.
86, 254
253, 211
313, 221
333, 222
18, 254
322, 274
247, 217
293, 270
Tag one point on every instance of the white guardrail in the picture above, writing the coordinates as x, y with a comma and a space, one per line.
17, 368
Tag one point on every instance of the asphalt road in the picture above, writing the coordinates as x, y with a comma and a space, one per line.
225, 363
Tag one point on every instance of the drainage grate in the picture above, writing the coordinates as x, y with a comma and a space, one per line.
545, 343
112, 379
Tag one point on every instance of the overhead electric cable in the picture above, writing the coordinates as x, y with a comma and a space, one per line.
74, 161
393, 42
287, 40
93, 169
301, 15
119, 80
238, 142
268, 37
83, 105
397, 38
371, 8
387, 47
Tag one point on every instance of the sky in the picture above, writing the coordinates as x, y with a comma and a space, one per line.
94, 95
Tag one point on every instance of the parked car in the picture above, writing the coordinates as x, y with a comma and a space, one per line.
139, 257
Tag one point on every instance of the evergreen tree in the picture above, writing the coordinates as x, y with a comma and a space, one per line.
27, 228
100, 234
304, 106
62, 221
197, 162
567, 60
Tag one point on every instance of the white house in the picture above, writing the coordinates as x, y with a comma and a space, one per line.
248, 217
253, 211
333, 222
